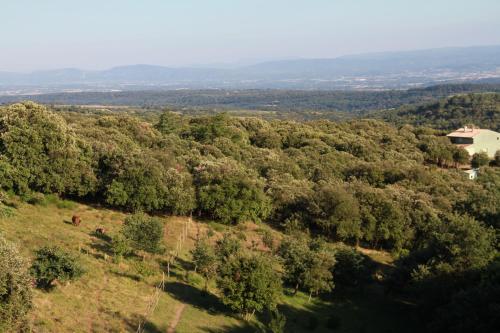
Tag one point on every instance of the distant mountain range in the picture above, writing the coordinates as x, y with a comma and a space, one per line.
366, 71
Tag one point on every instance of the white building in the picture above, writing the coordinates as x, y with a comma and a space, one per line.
476, 140
472, 173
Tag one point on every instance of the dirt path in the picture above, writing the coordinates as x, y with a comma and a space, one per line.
177, 318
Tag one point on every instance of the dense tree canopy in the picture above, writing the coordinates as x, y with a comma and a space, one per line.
43, 152
482, 110
362, 182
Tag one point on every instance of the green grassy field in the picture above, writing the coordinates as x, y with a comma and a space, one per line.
114, 297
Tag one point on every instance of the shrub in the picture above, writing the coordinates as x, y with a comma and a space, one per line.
249, 284
216, 226
55, 200
37, 199
65, 204
277, 322
350, 269
15, 289
268, 239
120, 246
51, 199
227, 247
51, 264
142, 269
144, 232
241, 235
6, 212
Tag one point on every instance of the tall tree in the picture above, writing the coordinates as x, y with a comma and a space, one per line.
318, 275
479, 160
295, 254
249, 284
205, 260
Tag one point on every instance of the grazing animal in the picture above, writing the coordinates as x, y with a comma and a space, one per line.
76, 220
100, 231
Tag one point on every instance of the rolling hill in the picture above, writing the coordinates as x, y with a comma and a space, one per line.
482, 110
365, 71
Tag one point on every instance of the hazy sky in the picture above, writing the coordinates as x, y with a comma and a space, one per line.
96, 34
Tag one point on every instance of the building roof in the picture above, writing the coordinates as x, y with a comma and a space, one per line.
465, 132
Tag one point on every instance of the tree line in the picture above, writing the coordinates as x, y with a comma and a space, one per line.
362, 182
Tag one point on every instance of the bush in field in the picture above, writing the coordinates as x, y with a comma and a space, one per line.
6, 212
277, 322
350, 268
249, 284
51, 264
268, 239
205, 260
15, 289
120, 246
144, 232
37, 199
227, 247
142, 270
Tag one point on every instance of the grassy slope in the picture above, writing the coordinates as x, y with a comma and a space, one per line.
110, 297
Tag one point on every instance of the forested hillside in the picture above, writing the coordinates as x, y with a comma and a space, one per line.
482, 110
362, 182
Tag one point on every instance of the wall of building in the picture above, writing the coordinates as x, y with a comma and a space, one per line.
487, 141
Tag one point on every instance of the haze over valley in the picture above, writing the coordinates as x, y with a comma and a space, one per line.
377, 71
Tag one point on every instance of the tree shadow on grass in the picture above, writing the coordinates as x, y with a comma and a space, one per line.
185, 265
195, 297
126, 275
179, 268
245, 328
307, 318
147, 326
351, 310
174, 269
101, 235
103, 249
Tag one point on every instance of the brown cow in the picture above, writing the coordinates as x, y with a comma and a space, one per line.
76, 220
100, 231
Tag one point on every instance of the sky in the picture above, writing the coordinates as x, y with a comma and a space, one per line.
99, 34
